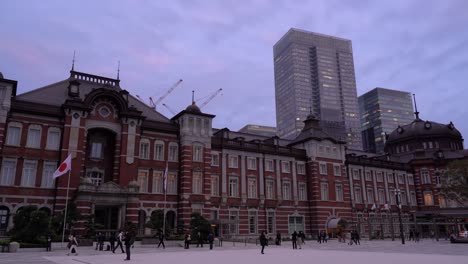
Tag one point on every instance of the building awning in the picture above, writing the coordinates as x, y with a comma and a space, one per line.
333, 223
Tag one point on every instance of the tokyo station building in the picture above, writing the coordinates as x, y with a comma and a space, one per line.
242, 183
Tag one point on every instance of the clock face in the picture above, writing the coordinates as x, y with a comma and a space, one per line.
427, 125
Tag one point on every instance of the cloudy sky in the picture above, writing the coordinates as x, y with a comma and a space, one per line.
416, 46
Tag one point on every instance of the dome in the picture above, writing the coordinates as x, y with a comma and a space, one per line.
423, 129
193, 108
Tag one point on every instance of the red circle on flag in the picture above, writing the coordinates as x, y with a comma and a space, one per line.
62, 167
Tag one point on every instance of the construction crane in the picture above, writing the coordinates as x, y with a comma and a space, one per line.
211, 97
155, 103
170, 109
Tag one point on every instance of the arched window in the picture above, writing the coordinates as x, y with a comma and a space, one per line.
34, 136
4, 217
144, 148
170, 219
95, 176
159, 150
14, 134
173, 151
53, 138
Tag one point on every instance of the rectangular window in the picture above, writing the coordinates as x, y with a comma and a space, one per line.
172, 183
413, 198
323, 168
269, 165
302, 192
233, 162
270, 189
144, 150
157, 181
214, 185
53, 140
337, 170
324, 191
390, 177
379, 177
428, 200
197, 183
251, 163
401, 178
143, 180
252, 222
252, 188
215, 159
173, 152
233, 189
8, 172
287, 190
47, 174
29, 173
368, 176
13, 136
198, 153
370, 196
357, 195
410, 179
381, 193
285, 167
301, 168
233, 222
392, 196
96, 150
34, 138
339, 192
214, 214
271, 226
159, 150
356, 175
426, 179
403, 198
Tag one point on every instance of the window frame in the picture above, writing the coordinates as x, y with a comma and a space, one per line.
251, 163
9, 136
173, 152
146, 180
324, 192
339, 194
285, 166
336, 170
215, 185
302, 170
286, 190
215, 161
197, 154
232, 164
10, 181
49, 145
159, 154
233, 186
144, 141
252, 188
197, 185
34, 143
30, 181
302, 189
267, 162
48, 169
323, 168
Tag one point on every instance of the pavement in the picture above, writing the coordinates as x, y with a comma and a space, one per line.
368, 252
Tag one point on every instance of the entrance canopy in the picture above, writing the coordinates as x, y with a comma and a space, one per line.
333, 223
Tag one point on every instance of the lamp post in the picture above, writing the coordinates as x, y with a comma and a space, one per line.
397, 198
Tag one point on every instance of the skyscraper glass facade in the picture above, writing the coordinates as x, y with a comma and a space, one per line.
381, 111
315, 72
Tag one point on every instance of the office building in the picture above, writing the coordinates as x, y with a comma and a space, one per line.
382, 111
266, 131
315, 73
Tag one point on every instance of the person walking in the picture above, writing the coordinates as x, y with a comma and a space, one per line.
211, 240
357, 238
299, 239
411, 235
199, 239
120, 239
294, 239
128, 244
278, 239
73, 245
263, 241
99, 241
49, 242
161, 239
112, 242
187, 241
319, 237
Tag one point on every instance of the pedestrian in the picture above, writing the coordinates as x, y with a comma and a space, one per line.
263, 241
112, 242
199, 239
161, 239
432, 235
99, 241
294, 239
411, 235
72, 245
416, 236
278, 239
49, 242
220, 240
128, 243
357, 238
319, 237
187, 241
325, 237
120, 239
210, 240
299, 239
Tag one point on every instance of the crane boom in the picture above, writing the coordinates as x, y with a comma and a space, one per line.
152, 104
211, 97
167, 93
170, 109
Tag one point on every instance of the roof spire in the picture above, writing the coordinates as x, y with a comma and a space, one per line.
415, 107
73, 62
193, 97
118, 71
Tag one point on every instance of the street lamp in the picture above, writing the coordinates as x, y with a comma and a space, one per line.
398, 203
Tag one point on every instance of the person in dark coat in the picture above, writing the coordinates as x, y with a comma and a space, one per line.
120, 239
211, 240
263, 241
112, 242
294, 239
161, 239
100, 241
128, 244
49, 242
278, 239
357, 238
199, 239
187, 241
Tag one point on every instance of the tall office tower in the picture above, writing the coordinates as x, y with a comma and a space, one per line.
315, 72
382, 111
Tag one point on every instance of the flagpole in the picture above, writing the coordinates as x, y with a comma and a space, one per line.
66, 208
165, 196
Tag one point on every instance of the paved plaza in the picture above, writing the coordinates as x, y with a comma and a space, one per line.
381, 252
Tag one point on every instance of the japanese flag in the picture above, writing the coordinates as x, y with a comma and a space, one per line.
63, 168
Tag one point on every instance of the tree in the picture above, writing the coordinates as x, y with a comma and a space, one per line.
455, 181
199, 224
30, 225
73, 215
156, 220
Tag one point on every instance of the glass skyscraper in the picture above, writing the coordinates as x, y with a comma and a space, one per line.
381, 111
315, 73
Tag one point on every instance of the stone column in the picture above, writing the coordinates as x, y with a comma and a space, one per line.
294, 183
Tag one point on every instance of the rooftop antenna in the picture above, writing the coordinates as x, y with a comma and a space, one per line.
193, 97
415, 107
73, 61
118, 71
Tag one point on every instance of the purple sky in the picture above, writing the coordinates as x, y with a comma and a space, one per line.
416, 46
